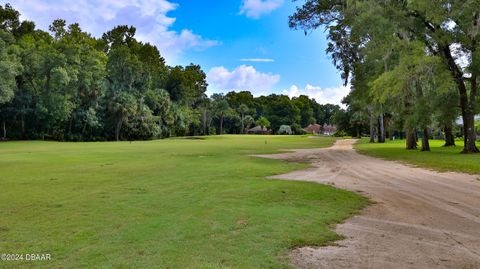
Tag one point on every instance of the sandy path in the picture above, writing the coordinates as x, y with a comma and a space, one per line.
420, 218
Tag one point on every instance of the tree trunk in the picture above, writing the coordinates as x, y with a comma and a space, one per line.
221, 125
449, 138
467, 106
468, 116
243, 124
425, 142
70, 126
381, 129
204, 121
411, 139
117, 129
84, 128
372, 127
469, 133
358, 131
4, 130
23, 126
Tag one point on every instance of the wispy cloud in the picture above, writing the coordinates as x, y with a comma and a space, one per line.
256, 8
258, 60
98, 16
241, 78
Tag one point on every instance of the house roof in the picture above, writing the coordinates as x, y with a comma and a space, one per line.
330, 128
313, 128
258, 129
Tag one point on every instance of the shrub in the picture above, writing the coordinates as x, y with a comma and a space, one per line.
285, 130
340, 133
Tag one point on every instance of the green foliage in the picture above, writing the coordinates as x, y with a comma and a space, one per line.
280, 110
402, 58
10, 67
68, 85
306, 108
342, 120
263, 122
340, 133
249, 121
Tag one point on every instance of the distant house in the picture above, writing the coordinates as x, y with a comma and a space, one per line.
329, 129
313, 129
258, 130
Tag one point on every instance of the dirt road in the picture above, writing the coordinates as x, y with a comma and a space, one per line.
419, 219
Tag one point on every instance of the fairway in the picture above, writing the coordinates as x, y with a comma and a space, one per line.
176, 203
439, 158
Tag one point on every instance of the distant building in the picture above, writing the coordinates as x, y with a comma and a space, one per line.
329, 129
258, 130
313, 129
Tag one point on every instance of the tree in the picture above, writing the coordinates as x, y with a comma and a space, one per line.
280, 110
249, 121
263, 122
220, 109
121, 106
10, 67
428, 17
122, 35
158, 100
417, 79
186, 85
243, 109
66, 84
446, 112
235, 99
125, 83
325, 114
303, 103
342, 120
205, 106
445, 31
9, 18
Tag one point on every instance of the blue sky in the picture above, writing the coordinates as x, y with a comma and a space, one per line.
241, 44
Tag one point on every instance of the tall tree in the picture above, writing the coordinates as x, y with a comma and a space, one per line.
221, 108
125, 83
444, 28
243, 110
263, 122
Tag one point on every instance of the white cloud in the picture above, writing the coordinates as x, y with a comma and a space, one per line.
98, 16
321, 95
256, 8
241, 78
258, 60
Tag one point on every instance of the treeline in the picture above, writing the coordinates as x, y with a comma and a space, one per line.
67, 85
413, 65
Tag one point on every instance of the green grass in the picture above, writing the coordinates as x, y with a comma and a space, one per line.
440, 158
173, 203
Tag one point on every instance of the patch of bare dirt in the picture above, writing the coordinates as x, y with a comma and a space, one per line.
420, 218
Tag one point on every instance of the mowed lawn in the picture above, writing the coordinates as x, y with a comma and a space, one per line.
173, 203
440, 158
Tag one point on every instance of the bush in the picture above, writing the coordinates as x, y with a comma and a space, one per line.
340, 133
285, 130
297, 129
